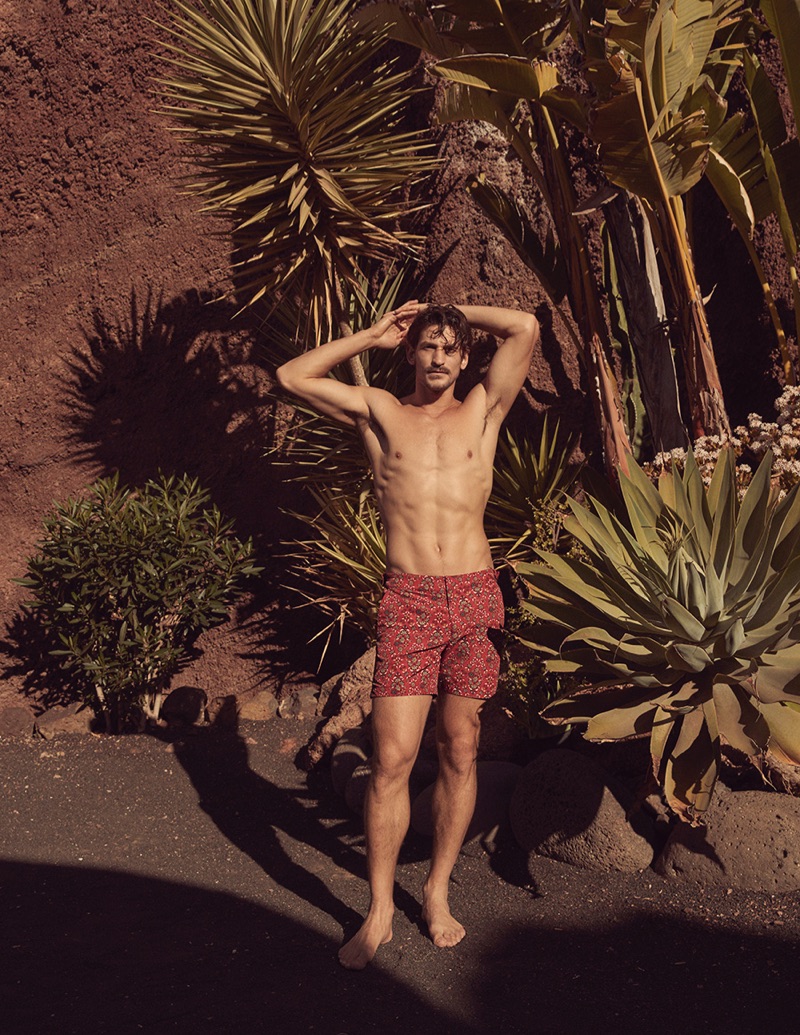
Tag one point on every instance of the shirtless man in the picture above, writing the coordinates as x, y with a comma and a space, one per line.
432, 459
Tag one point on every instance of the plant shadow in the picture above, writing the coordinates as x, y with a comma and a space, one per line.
174, 386
101, 951
253, 813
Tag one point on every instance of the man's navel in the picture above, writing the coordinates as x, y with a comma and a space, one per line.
469, 454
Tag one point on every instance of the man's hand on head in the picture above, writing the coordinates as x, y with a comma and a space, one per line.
391, 329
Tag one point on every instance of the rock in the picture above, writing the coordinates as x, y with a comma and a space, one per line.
564, 808
355, 705
782, 775
352, 750
501, 736
261, 707
299, 703
68, 718
16, 720
223, 712
751, 841
496, 782
423, 774
356, 790
357, 680
299, 697
184, 706
328, 701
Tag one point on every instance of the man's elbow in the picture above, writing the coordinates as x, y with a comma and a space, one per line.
532, 330
285, 379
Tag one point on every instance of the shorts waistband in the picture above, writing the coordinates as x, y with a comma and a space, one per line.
413, 581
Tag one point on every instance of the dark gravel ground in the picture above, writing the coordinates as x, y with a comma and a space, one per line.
197, 884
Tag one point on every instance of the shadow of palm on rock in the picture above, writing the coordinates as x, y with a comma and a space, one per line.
174, 387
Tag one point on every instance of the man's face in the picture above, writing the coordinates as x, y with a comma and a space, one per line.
437, 359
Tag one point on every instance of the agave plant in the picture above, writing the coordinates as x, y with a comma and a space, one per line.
684, 621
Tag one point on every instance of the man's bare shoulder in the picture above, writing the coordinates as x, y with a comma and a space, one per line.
380, 403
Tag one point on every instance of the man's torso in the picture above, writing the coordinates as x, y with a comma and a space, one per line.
433, 476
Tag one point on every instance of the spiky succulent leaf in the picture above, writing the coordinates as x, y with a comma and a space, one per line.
301, 136
691, 604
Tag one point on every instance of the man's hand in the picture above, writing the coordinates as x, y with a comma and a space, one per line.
390, 331
306, 376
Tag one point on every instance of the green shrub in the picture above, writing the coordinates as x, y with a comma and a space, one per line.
124, 582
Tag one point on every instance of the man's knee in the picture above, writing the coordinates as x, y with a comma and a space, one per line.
391, 766
459, 751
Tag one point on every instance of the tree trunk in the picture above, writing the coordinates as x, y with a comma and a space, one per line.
354, 365
582, 293
646, 315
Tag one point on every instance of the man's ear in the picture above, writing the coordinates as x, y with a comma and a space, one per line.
464, 359
410, 350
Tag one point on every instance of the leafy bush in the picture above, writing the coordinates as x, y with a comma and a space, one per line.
685, 620
124, 582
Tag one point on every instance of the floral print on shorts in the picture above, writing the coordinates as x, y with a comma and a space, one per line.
433, 635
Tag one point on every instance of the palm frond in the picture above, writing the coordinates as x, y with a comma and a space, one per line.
300, 132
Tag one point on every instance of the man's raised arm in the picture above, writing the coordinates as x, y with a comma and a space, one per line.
512, 361
306, 376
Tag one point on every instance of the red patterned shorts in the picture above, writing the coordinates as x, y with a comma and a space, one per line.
433, 635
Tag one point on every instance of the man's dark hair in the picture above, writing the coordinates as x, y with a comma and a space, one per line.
441, 318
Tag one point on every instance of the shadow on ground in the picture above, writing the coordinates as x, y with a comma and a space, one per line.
93, 951
254, 814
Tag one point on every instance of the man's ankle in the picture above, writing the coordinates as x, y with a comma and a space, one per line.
380, 910
433, 891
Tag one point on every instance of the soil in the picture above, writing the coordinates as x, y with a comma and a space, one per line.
196, 882
199, 885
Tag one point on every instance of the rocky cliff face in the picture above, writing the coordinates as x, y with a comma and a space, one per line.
112, 357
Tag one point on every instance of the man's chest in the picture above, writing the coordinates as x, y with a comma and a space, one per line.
411, 445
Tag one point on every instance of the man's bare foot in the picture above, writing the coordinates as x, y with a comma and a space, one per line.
358, 952
444, 929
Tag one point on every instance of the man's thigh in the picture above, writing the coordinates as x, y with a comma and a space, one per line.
458, 719
470, 668
398, 724
413, 629
470, 664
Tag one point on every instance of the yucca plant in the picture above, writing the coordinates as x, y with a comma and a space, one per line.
300, 127
530, 484
684, 620
340, 571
